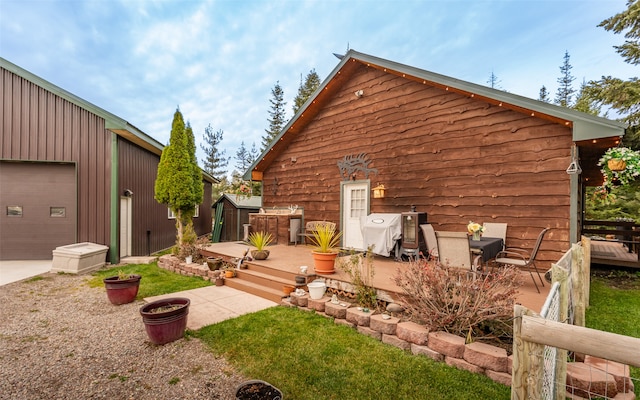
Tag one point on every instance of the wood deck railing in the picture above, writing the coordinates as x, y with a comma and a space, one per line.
622, 231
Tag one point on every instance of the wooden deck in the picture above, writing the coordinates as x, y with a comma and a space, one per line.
613, 254
284, 264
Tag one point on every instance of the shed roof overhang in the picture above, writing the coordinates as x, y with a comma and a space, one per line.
586, 128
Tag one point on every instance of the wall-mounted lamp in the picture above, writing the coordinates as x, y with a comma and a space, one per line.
128, 193
378, 191
359, 93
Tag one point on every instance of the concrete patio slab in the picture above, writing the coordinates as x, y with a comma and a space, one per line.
213, 304
14, 271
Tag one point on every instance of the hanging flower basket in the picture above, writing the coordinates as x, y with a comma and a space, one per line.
617, 164
620, 165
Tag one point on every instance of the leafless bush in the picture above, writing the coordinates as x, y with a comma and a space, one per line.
449, 299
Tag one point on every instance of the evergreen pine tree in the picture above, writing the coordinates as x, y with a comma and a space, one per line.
623, 95
311, 84
565, 91
215, 160
276, 116
584, 103
493, 81
544, 95
253, 154
242, 158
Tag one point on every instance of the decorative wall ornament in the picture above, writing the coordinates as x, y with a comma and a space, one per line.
350, 165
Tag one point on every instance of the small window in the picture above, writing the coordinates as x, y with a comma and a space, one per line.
171, 215
57, 212
14, 211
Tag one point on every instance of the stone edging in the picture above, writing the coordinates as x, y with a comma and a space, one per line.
479, 358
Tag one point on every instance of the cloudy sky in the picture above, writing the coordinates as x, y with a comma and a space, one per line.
218, 60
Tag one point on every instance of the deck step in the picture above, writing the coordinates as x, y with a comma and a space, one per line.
257, 289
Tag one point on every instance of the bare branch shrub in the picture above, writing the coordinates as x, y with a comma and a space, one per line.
448, 299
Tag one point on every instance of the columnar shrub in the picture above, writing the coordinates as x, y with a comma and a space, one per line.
449, 299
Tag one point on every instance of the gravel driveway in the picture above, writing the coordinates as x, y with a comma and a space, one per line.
61, 339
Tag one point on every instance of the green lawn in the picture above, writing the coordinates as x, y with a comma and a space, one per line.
155, 281
307, 356
615, 307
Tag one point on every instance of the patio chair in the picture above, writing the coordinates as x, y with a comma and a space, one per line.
496, 230
454, 251
432, 242
523, 259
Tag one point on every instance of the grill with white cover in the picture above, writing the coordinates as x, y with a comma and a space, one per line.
381, 231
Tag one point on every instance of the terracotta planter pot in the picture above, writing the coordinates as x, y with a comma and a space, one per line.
260, 254
288, 289
324, 263
122, 291
229, 273
617, 164
219, 281
165, 326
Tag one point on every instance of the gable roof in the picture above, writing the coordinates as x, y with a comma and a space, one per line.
253, 202
585, 126
113, 123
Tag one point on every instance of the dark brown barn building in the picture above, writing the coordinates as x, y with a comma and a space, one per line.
455, 150
72, 172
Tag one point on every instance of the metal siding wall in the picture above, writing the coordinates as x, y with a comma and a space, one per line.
39, 125
137, 172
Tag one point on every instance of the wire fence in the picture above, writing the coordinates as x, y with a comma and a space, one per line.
556, 357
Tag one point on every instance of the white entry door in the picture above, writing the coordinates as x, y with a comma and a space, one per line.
355, 205
125, 226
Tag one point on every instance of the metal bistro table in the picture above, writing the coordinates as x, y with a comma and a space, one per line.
488, 247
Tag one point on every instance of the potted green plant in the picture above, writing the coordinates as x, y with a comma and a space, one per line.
620, 165
260, 240
122, 288
325, 240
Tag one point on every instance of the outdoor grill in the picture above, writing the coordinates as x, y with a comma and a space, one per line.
381, 232
412, 238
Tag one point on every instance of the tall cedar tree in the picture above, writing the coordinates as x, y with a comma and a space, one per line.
623, 96
311, 83
179, 181
565, 90
276, 114
544, 95
215, 160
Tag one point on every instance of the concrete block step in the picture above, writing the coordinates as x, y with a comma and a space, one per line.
268, 293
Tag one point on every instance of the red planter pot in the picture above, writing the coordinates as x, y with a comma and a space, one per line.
165, 326
122, 291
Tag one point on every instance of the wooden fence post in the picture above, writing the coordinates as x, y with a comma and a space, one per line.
586, 267
559, 275
578, 284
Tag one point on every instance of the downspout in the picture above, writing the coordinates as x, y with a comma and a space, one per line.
114, 254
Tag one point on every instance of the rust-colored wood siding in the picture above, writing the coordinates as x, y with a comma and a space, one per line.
137, 172
38, 125
455, 157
